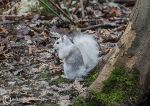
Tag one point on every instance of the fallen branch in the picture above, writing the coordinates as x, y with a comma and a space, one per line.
8, 22
108, 25
125, 1
88, 20
14, 17
70, 3
82, 8
86, 3
76, 9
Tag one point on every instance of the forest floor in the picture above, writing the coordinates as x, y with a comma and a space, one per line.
29, 72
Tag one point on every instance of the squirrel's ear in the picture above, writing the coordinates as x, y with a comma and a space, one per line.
65, 37
61, 38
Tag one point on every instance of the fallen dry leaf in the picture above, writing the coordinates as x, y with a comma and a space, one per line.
3, 31
2, 57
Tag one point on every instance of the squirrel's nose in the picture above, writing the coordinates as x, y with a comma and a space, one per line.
55, 49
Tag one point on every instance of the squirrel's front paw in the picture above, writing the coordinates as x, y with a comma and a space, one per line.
64, 76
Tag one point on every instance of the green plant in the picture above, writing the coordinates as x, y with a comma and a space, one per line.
48, 8
91, 77
43, 75
59, 81
47, 103
120, 87
80, 101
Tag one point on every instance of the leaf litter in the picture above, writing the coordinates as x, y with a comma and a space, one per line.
30, 72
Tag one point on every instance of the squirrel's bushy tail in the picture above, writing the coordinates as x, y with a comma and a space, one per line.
89, 49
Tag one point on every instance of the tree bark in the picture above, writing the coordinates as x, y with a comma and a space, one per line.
133, 49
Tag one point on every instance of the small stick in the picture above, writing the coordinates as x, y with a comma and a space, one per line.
109, 25
82, 8
88, 20
86, 3
59, 4
130, 2
14, 17
69, 5
75, 11
8, 22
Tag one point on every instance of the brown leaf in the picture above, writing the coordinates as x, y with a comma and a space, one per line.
30, 50
2, 56
2, 48
115, 12
3, 30
43, 67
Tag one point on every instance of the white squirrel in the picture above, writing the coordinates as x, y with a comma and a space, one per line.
79, 54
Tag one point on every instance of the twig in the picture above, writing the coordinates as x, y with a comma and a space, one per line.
75, 11
86, 3
117, 21
66, 7
34, 29
14, 17
59, 4
69, 5
8, 22
82, 8
108, 25
128, 2
61, 11
88, 20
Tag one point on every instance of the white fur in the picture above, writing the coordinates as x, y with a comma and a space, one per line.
89, 49
78, 57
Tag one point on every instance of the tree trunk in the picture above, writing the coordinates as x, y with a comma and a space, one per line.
133, 49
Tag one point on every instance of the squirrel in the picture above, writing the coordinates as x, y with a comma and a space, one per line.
78, 53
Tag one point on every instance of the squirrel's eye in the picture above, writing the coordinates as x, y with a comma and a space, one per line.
57, 42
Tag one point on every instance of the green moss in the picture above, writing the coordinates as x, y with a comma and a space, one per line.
91, 77
109, 99
44, 75
79, 101
120, 88
47, 104
87, 80
59, 81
